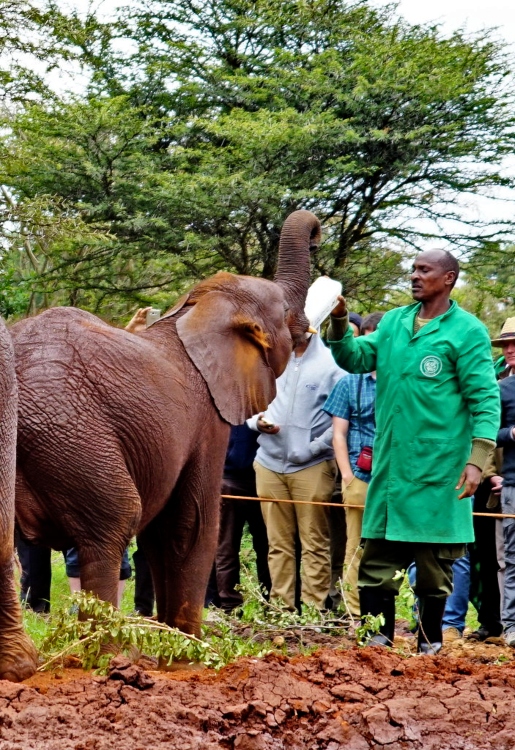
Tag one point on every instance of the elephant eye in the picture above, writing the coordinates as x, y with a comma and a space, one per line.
286, 311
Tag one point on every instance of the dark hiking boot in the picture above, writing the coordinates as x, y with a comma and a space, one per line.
430, 636
375, 601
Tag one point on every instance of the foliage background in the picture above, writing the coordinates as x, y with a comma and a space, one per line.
200, 126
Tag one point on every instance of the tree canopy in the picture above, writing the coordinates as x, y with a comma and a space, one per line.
205, 123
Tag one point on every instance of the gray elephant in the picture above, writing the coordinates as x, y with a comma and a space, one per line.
123, 434
18, 659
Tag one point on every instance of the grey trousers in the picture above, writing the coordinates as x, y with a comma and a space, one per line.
508, 527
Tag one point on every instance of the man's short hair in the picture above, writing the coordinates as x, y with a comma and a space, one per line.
370, 322
449, 263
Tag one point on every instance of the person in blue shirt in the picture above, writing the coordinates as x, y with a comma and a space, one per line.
352, 406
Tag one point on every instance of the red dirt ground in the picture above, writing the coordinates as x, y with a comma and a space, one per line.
355, 699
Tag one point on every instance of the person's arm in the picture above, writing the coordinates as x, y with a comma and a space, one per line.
491, 472
490, 468
321, 443
138, 322
506, 434
341, 451
353, 354
258, 424
479, 388
251, 422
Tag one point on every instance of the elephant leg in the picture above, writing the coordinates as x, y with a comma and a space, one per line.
18, 657
190, 527
101, 537
100, 572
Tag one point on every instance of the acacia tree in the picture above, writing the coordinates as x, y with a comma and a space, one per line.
253, 109
83, 205
385, 122
27, 43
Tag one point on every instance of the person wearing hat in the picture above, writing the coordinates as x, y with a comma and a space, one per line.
506, 441
437, 417
506, 342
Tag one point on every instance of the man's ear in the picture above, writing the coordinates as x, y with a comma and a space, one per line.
230, 351
450, 278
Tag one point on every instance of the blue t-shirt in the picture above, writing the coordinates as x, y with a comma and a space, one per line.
343, 402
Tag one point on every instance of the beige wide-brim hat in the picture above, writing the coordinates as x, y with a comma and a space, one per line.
507, 333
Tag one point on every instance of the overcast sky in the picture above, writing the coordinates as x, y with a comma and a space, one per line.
475, 15
472, 15
452, 14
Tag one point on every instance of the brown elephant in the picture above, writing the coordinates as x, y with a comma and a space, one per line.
18, 659
123, 434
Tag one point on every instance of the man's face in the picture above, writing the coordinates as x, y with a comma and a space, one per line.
509, 353
428, 278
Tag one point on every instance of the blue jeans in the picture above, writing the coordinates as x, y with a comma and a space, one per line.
457, 603
71, 557
508, 527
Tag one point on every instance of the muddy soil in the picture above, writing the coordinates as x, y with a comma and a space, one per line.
336, 698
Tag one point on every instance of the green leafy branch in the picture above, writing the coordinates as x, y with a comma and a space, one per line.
103, 629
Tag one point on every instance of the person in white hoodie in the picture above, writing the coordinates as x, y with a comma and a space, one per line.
295, 461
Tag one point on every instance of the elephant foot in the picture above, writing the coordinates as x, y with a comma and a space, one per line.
18, 658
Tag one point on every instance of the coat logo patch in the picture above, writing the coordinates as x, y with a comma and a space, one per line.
431, 366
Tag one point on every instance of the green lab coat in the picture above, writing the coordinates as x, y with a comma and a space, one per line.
436, 390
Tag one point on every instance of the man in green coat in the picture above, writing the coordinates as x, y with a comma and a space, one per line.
437, 416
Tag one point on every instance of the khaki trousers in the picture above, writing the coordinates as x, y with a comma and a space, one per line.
338, 533
283, 522
354, 494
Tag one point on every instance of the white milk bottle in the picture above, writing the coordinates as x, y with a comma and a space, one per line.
322, 297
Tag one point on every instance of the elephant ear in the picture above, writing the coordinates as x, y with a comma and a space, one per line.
230, 352
177, 307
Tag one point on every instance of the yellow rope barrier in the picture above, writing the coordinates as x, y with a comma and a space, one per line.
335, 505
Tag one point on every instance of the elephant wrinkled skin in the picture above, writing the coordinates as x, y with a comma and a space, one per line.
122, 434
18, 659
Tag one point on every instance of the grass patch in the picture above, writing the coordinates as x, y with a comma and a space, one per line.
258, 628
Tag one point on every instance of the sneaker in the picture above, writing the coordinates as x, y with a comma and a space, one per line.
509, 638
451, 634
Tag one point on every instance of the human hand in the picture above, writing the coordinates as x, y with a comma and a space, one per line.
138, 322
469, 480
341, 308
496, 484
267, 427
347, 478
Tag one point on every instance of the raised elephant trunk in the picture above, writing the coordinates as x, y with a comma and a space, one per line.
300, 235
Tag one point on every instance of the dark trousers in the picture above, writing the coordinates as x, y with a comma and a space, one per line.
233, 516
382, 558
143, 585
36, 575
484, 584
